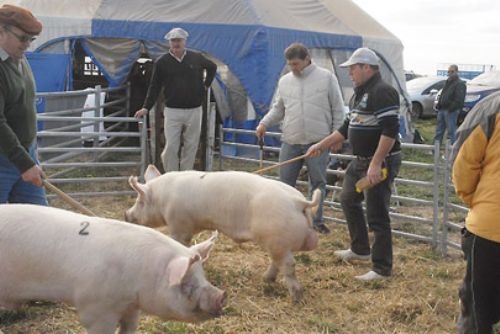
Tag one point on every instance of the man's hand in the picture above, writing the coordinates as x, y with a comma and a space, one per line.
374, 173
336, 147
314, 150
141, 112
260, 131
33, 175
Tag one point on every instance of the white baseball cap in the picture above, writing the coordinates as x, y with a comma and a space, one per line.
362, 56
177, 33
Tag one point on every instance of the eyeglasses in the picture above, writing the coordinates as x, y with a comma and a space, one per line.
21, 38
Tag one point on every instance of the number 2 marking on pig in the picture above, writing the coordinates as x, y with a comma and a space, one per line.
84, 231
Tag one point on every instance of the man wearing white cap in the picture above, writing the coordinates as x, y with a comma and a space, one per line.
372, 129
181, 74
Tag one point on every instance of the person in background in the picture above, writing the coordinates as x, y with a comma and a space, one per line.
450, 102
310, 104
373, 132
476, 175
20, 173
184, 76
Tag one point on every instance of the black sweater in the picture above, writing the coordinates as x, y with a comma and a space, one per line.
182, 82
17, 113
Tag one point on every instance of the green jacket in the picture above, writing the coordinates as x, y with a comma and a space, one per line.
17, 112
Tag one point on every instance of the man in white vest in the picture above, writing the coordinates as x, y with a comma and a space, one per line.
310, 105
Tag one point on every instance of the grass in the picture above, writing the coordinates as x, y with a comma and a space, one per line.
421, 297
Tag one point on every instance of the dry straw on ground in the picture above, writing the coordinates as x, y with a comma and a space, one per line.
420, 298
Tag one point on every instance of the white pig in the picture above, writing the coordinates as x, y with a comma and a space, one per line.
109, 270
243, 206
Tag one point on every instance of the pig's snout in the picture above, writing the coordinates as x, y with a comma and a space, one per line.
221, 302
215, 307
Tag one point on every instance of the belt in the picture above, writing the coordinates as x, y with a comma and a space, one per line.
360, 157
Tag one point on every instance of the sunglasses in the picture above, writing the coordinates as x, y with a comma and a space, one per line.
21, 38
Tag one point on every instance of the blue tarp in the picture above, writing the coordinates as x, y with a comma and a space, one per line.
251, 52
50, 72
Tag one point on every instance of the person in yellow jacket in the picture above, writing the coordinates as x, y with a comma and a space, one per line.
476, 176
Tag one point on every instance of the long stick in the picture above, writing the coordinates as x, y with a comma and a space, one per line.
67, 198
261, 145
260, 171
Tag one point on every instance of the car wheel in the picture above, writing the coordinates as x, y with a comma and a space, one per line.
416, 110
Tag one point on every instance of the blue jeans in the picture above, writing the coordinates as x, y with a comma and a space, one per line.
12, 187
377, 213
316, 168
446, 120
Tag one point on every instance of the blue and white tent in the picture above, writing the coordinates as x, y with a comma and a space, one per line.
245, 37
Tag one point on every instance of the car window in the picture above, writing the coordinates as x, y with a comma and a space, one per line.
437, 86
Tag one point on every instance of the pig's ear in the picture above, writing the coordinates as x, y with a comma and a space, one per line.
179, 267
139, 188
205, 247
151, 173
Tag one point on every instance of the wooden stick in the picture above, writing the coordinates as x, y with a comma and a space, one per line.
67, 199
260, 171
261, 145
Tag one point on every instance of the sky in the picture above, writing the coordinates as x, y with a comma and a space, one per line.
435, 32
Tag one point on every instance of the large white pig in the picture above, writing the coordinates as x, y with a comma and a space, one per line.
243, 206
109, 270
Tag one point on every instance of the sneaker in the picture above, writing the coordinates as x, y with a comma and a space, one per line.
321, 228
348, 254
371, 276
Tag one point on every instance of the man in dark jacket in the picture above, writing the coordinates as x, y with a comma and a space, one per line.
20, 172
372, 128
181, 74
449, 105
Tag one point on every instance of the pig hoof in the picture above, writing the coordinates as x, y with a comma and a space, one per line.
269, 277
297, 295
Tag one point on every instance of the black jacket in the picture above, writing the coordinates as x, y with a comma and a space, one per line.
453, 95
374, 112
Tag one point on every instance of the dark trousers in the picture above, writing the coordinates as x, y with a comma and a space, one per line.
377, 213
480, 290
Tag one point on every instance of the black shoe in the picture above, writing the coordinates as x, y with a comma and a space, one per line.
321, 228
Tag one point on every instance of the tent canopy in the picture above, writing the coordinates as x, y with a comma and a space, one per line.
249, 36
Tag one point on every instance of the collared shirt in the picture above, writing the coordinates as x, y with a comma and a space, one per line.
4, 56
178, 59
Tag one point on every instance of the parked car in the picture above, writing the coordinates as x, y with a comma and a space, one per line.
478, 88
410, 75
422, 92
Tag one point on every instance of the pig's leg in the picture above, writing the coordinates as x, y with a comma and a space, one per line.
102, 327
97, 321
181, 235
288, 269
272, 272
129, 322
